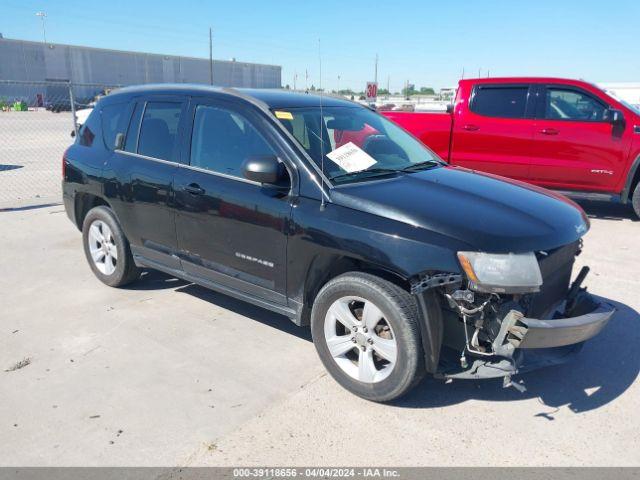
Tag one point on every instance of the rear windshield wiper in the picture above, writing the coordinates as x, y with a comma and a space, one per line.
374, 171
421, 166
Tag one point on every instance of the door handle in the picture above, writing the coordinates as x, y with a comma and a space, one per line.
471, 128
549, 131
194, 189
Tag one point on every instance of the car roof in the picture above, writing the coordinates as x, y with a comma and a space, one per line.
271, 98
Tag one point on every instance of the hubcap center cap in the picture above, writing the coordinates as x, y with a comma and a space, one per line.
361, 339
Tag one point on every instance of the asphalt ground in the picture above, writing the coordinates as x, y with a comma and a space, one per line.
165, 373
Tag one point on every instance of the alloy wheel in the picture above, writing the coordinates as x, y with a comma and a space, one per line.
102, 246
360, 340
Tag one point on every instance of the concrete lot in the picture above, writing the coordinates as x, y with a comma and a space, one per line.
31, 148
166, 373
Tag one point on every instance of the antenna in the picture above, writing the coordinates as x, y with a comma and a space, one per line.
322, 204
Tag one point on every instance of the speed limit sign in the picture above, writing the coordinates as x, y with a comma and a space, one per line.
372, 91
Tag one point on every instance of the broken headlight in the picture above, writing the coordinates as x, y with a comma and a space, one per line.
501, 272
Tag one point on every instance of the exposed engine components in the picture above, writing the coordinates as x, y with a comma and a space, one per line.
472, 345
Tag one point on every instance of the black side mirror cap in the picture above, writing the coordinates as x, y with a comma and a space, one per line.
614, 116
450, 108
263, 169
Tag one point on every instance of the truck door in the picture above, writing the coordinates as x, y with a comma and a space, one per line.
576, 147
493, 130
231, 231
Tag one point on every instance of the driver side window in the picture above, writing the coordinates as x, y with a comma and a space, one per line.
222, 140
566, 104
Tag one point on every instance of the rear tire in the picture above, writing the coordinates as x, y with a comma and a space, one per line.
107, 249
635, 200
367, 335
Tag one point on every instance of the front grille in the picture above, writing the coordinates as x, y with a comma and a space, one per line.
556, 269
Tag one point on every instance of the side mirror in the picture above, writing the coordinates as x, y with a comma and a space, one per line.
263, 169
614, 116
119, 143
450, 108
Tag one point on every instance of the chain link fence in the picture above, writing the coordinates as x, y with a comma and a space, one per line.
36, 121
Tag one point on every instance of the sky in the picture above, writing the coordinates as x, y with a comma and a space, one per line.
428, 43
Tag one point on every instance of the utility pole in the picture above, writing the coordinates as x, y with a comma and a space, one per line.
375, 77
338, 84
388, 83
210, 56
306, 80
295, 77
42, 16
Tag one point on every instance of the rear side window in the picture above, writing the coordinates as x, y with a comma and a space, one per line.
112, 118
89, 129
159, 130
222, 140
567, 104
504, 102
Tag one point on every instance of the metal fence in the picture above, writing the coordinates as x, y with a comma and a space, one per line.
36, 121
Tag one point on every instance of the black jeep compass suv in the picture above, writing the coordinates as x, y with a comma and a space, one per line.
322, 210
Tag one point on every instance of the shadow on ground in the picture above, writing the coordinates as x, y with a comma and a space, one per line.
266, 317
606, 367
608, 211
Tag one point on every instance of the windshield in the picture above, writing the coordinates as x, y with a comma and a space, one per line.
357, 144
634, 108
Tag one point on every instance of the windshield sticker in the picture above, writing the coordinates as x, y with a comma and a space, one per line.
351, 158
283, 115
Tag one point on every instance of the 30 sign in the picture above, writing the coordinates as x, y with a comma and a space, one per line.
372, 91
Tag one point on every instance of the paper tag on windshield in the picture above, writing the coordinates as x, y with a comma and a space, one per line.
351, 158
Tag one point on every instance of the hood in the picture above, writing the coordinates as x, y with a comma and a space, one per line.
490, 213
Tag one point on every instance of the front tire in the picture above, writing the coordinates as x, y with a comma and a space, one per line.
107, 249
367, 335
635, 200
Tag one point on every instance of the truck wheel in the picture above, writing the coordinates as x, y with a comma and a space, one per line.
107, 249
367, 335
635, 200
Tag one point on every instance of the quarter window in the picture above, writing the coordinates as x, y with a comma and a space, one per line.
89, 129
159, 130
505, 102
111, 119
222, 140
566, 104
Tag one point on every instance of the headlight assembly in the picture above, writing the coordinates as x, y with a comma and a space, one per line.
501, 272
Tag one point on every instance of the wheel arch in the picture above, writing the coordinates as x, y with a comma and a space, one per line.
83, 203
326, 267
633, 177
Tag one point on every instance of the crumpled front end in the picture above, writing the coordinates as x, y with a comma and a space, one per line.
488, 333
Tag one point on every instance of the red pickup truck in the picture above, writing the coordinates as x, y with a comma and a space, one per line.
561, 134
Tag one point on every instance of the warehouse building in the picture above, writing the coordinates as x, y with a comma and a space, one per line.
26, 61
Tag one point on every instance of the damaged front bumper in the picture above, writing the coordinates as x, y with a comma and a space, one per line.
524, 344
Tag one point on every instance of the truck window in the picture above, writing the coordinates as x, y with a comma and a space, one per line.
569, 104
222, 140
504, 102
159, 130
